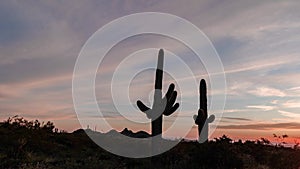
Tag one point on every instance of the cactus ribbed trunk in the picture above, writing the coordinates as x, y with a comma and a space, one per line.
156, 126
203, 96
203, 126
202, 119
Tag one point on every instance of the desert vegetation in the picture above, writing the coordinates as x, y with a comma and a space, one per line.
34, 144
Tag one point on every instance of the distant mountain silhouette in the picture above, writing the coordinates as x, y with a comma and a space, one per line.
126, 132
79, 131
139, 134
112, 133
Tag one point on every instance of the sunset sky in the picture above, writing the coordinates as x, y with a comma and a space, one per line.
258, 43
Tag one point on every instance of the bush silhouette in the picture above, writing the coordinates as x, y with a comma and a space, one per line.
17, 122
23, 147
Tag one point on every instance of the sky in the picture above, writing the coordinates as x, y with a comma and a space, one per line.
257, 42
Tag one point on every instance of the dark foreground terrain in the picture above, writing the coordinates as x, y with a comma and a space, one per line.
31, 144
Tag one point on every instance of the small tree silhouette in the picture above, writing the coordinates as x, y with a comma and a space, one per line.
19, 122
280, 139
161, 106
202, 119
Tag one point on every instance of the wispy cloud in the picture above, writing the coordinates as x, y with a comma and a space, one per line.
234, 110
274, 102
295, 116
294, 88
236, 118
267, 91
40, 41
262, 126
262, 107
291, 104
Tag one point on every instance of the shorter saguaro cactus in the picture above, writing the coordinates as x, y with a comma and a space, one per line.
202, 119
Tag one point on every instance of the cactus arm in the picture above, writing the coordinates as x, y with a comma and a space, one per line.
171, 96
211, 118
143, 108
171, 110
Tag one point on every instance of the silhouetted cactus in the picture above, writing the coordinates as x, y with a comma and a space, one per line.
161, 106
201, 119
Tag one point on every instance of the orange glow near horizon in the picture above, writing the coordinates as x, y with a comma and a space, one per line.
71, 125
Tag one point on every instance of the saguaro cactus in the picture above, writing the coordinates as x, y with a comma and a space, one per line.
201, 119
161, 106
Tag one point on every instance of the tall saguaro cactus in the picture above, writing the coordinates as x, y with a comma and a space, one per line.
161, 106
202, 119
